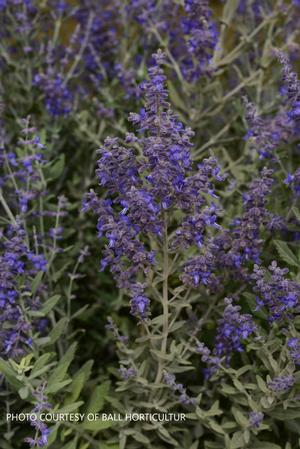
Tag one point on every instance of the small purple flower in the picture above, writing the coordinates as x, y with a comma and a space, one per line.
111, 326
177, 388
58, 97
42, 431
242, 243
22, 246
289, 179
56, 233
293, 180
233, 329
38, 261
127, 373
211, 360
199, 270
264, 133
255, 419
140, 306
281, 383
279, 295
294, 349
201, 36
17, 263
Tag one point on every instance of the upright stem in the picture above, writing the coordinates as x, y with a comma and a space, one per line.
79, 55
7, 209
165, 300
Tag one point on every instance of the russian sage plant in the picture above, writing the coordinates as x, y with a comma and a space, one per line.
164, 287
166, 249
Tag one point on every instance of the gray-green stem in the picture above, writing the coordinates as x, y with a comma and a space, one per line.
165, 301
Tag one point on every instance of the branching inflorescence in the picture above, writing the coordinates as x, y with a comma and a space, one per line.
147, 180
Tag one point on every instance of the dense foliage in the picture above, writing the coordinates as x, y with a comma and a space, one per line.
149, 223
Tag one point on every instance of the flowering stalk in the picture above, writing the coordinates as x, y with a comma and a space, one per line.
137, 218
165, 299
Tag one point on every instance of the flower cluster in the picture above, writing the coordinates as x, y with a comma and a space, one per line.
58, 97
247, 244
269, 133
200, 270
233, 328
140, 191
25, 250
17, 262
291, 87
266, 134
293, 180
281, 383
242, 244
127, 373
211, 360
255, 419
279, 295
294, 349
111, 326
201, 35
184, 398
100, 23
42, 430
125, 254
191, 33
22, 172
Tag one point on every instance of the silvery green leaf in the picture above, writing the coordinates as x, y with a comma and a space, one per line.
23, 392
239, 385
58, 330
286, 254
214, 410
182, 369
247, 436
264, 402
161, 356
98, 398
96, 425
227, 389
239, 417
76, 386
296, 212
262, 385
166, 436
9, 374
215, 426
69, 408
36, 282
63, 365
41, 361
237, 440
54, 387
285, 415
50, 304
138, 436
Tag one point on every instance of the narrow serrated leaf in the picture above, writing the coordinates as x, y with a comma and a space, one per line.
285, 253
98, 398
